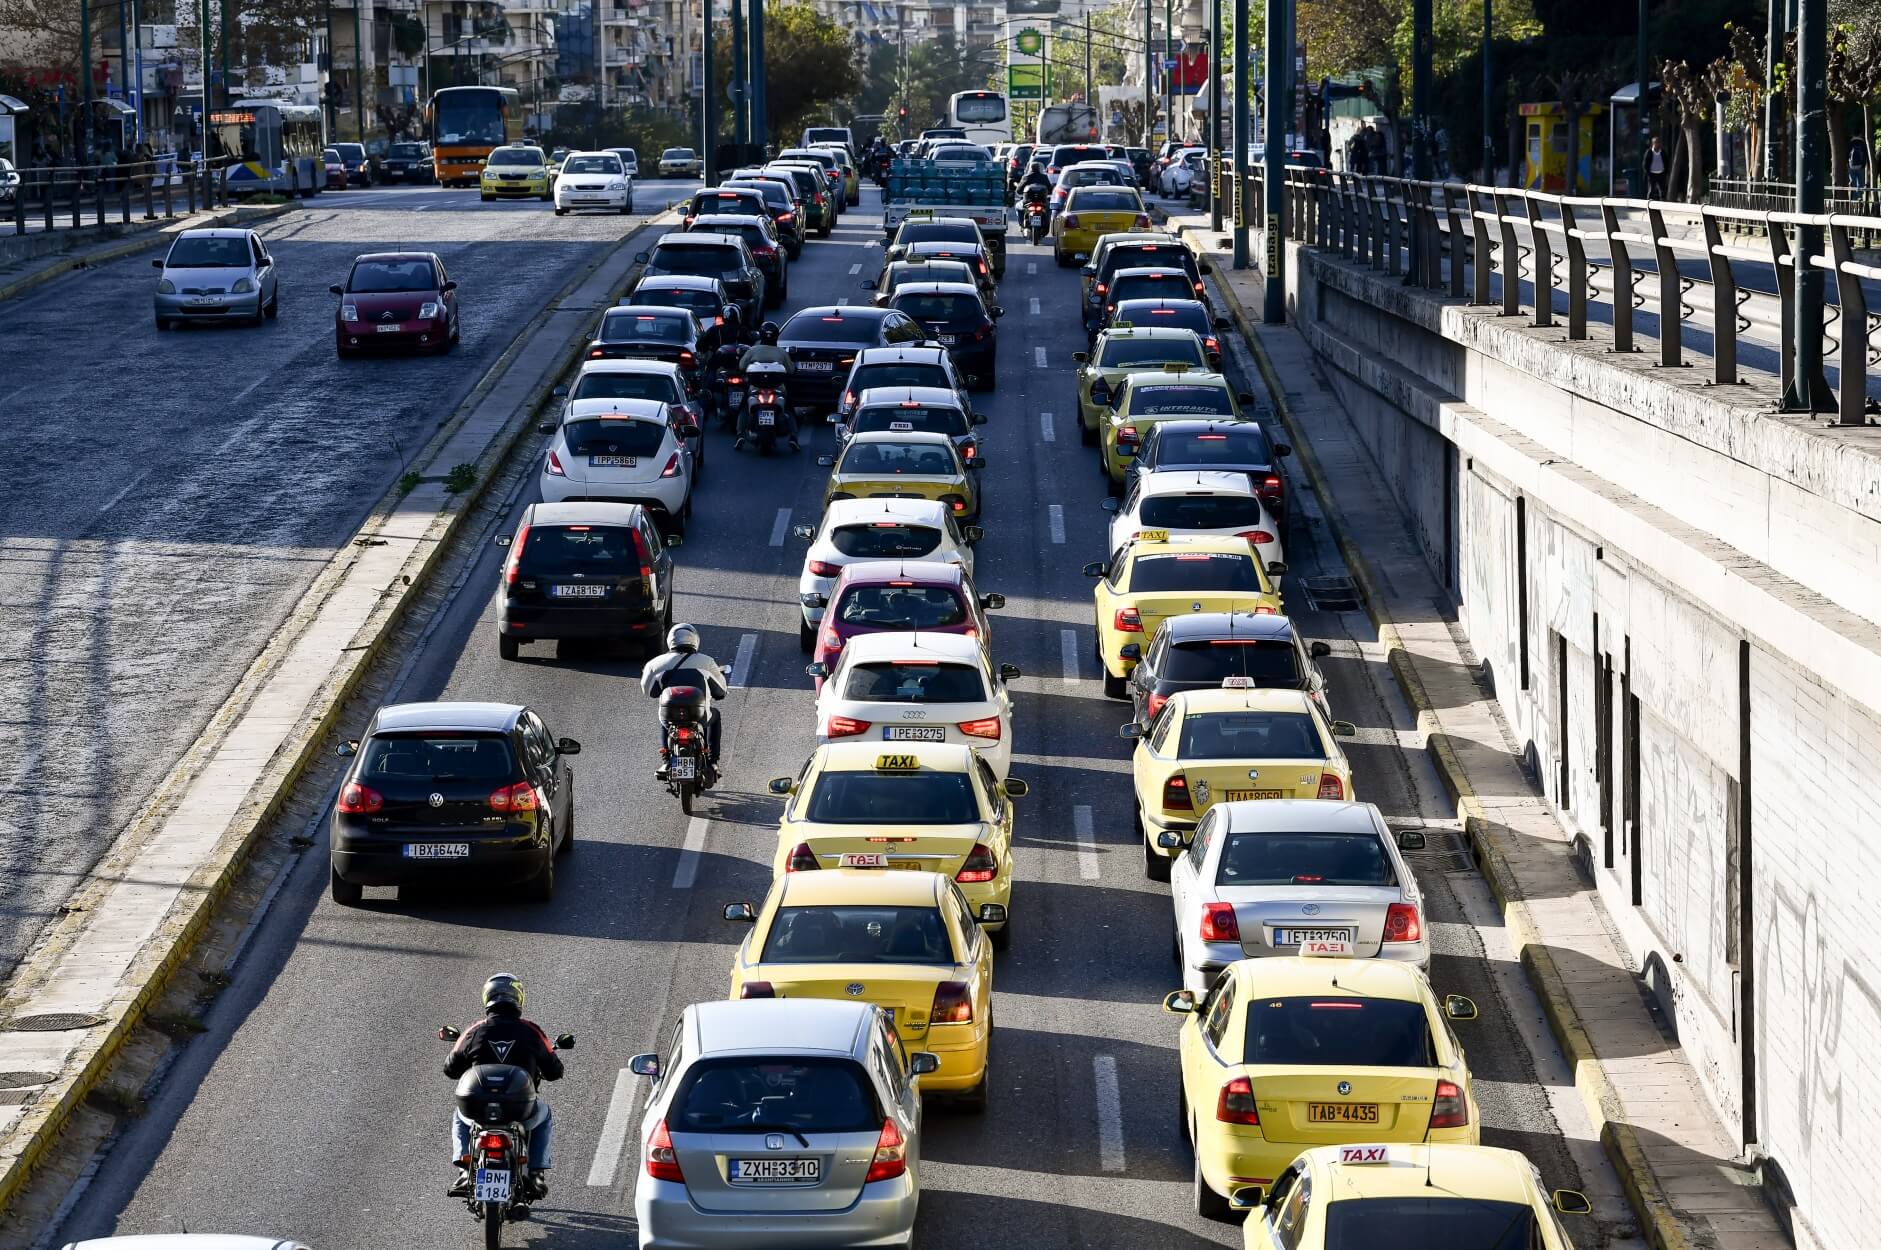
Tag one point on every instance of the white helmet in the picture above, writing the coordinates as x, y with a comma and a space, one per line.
683, 638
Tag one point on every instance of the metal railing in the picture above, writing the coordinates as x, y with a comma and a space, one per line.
1482, 243
67, 197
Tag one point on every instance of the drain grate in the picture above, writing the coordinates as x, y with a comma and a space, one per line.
23, 1080
1331, 594
52, 1022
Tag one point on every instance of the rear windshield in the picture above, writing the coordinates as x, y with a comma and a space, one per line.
1250, 735
805, 180
897, 459
753, 235
1200, 512
1165, 314
1339, 1033
790, 1095
613, 438
706, 258
858, 935
1071, 154
1195, 571
1304, 858
892, 799
641, 325
216, 252
1270, 662
591, 165
774, 195
1420, 1223
1103, 201
1242, 445
828, 328
482, 759
1146, 256
704, 303
625, 386
723, 202
1170, 399
902, 681
901, 607
923, 307
561, 550
387, 275
900, 373
885, 540
943, 420
1149, 286
1149, 351
939, 232
928, 271
1090, 177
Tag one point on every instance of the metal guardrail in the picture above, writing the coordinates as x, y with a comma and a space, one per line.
1480, 243
67, 197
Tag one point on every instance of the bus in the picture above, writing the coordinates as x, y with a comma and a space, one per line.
282, 146
465, 124
982, 114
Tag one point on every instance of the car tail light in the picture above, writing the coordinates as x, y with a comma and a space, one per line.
1219, 924
520, 797
358, 800
1198, 288
987, 728
823, 568
1142, 221
1450, 1110
1330, 787
1127, 434
953, 1004
1154, 704
1211, 344
955, 502
1236, 1104
646, 561
1071, 221
849, 399
1176, 795
1128, 621
764, 251
832, 640
981, 865
786, 216
596, 354
1103, 287
802, 859
1402, 923
982, 333
672, 466
891, 1155
1257, 536
662, 1159
686, 358
1264, 610
513, 569
758, 989
969, 451
554, 465
1272, 483
847, 727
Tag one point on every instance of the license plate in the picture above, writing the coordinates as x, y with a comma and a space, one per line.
767, 417
924, 733
815, 366
394, 328
492, 1185
948, 340
870, 859
437, 850
202, 301
1297, 937
777, 1171
578, 592
1241, 796
614, 462
736, 395
682, 768
1341, 1113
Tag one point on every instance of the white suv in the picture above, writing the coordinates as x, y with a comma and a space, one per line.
622, 451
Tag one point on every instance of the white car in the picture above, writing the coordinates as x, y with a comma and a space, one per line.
912, 687
874, 529
901, 364
593, 180
680, 163
621, 451
629, 378
1300, 877
1185, 503
1181, 171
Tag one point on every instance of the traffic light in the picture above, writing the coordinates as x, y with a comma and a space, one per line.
902, 112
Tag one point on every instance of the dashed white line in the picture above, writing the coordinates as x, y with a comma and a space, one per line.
1087, 841
1033, 309
1109, 1114
1056, 518
687, 870
1038, 357
780, 528
1045, 430
741, 663
855, 268
1068, 650
620, 1110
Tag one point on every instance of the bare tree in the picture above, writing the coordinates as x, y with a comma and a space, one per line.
1689, 96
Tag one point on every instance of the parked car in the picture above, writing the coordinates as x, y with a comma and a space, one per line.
358, 163
216, 275
335, 169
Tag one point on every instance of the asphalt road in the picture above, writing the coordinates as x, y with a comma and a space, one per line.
314, 1107
171, 495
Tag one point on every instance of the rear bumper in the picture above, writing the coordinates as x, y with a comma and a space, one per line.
665, 499
383, 862
362, 336
962, 1061
820, 390
882, 1215
546, 620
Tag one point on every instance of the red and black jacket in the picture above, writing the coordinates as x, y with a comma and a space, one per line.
503, 1036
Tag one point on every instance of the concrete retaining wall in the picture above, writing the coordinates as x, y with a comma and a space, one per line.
1676, 598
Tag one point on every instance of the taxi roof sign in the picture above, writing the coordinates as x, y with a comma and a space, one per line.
897, 763
1365, 1154
1237, 682
1175, 366
1153, 536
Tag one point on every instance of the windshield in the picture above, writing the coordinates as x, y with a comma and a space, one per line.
1338, 1032
1103, 201
1435, 1223
461, 119
896, 459
829, 327
649, 326
676, 154
210, 252
885, 540
591, 165
1148, 351
909, 681
392, 275
791, 1095
561, 550
604, 437
949, 421
1199, 512
1166, 314
1270, 662
1194, 572
932, 308
1242, 445
858, 935
938, 232
900, 373
927, 271
1164, 399
526, 158
892, 799
705, 304
626, 386
1250, 736
406, 151
480, 759
351, 151
710, 259
1304, 858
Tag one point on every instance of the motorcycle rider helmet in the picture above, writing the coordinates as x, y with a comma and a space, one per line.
767, 334
732, 319
682, 638
503, 988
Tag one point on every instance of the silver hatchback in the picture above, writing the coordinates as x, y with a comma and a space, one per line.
217, 275
780, 1123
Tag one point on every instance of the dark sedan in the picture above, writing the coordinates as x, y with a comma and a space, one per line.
395, 299
408, 162
358, 164
954, 314
1200, 651
823, 342
1211, 446
1180, 314
638, 332
766, 248
705, 298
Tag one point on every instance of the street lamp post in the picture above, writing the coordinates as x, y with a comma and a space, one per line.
708, 107
1213, 145
1169, 76
1808, 389
740, 77
1273, 159
1149, 75
1489, 140
1243, 133
759, 105
1641, 72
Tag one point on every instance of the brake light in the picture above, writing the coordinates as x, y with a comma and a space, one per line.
520, 797
596, 354
952, 1004
1256, 536
1176, 795
981, 865
1103, 287
1198, 288
1211, 344
1402, 923
358, 800
1264, 610
672, 466
891, 1155
832, 640
849, 399
969, 451
514, 568
847, 727
686, 358
1154, 704
1142, 221
823, 568
493, 1142
786, 216
1071, 221
764, 251
1330, 787
1236, 1104
1128, 621
646, 560
1450, 1110
758, 989
1219, 924
662, 1159
1127, 434
802, 859
554, 465
986, 728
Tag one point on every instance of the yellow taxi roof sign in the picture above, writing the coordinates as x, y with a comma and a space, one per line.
1175, 366
897, 763
1153, 536
1123, 325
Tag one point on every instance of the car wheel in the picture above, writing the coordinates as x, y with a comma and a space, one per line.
486, 198
560, 211
627, 207
261, 311
1002, 936
1208, 1204
508, 648
162, 323
806, 636
541, 887
344, 892
274, 305
1115, 687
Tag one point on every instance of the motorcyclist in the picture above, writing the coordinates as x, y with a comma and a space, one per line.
1036, 185
764, 351
504, 1035
684, 664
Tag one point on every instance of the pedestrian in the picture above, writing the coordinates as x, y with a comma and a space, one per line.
1858, 164
1657, 167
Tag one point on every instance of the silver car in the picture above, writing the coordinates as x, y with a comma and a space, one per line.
780, 1123
1295, 877
217, 275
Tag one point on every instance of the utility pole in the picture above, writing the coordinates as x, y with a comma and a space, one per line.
1274, 159
84, 88
759, 99
222, 11
138, 94
1489, 73
1243, 132
1149, 76
708, 106
597, 75
738, 87
1090, 84
1808, 389
359, 74
327, 101
1642, 73
1169, 75
1213, 143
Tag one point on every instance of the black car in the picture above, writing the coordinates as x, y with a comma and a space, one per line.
1140, 282
1141, 161
449, 792
1202, 650
1180, 314
587, 570
647, 332
954, 314
408, 162
736, 200
721, 256
1220, 447
755, 229
949, 230
1151, 253
781, 205
822, 343
358, 164
706, 298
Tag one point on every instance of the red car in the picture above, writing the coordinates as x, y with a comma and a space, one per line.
879, 596
336, 171
396, 299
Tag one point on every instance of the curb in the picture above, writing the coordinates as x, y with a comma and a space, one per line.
147, 237
1658, 1220
90, 1061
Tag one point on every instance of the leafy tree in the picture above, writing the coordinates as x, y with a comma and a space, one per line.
809, 64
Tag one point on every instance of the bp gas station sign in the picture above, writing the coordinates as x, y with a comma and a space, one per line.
1025, 65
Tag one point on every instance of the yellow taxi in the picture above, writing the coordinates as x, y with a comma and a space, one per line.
1284, 1055
517, 171
1120, 351
1228, 745
1154, 577
1092, 212
904, 464
1370, 1193
905, 941
1146, 398
927, 806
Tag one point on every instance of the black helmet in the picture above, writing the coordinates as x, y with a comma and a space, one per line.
503, 988
682, 638
767, 334
732, 317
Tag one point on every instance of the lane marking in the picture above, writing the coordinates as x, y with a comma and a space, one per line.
1038, 356
1045, 430
620, 1109
1068, 651
1031, 269
122, 491
855, 268
687, 870
780, 528
741, 663
1087, 841
1109, 1114
1034, 308
248, 390
1056, 514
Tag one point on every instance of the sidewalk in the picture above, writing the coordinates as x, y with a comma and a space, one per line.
1666, 1144
94, 245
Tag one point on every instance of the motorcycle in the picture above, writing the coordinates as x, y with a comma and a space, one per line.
498, 1099
728, 386
1037, 217
685, 756
769, 408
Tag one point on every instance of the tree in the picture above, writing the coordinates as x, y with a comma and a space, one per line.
1689, 99
809, 64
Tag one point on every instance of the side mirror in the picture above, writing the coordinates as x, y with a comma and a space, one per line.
1131, 651
447, 1034
997, 313
1246, 1198
743, 912
1169, 841
1094, 569
818, 670
972, 533
976, 464
1009, 672
641, 258
347, 749
565, 1041
1571, 1202
645, 1065
826, 462
1319, 650
1110, 505
1180, 1003
815, 599
559, 392
1013, 788
922, 1062
780, 786
157, 264
1244, 398
992, 913
567, 746
992, 602
805, 532
336, 288
1410, 840
1282, 449
545, 427
1344, 729
1130, 731
450, 285
979, 418
1082, 358
686, 429
1276, 568
1088, 271
1457, 1007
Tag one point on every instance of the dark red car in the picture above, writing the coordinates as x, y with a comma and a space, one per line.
396, 299
878, 596
336, 171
